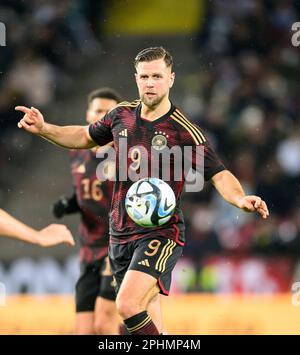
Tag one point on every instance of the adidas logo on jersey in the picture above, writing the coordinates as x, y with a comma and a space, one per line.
144, 263
123, 133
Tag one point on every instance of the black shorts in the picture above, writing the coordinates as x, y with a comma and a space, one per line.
154, 256
95, 280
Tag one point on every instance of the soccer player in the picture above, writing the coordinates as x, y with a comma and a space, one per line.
52, 235
140, 123
95, 294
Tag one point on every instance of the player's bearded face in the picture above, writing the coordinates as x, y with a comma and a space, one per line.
152, 101
154, 80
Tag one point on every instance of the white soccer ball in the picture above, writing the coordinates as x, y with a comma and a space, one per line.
150, 202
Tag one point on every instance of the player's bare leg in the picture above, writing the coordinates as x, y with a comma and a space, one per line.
84, 323
136, 292
106, 319
154, 310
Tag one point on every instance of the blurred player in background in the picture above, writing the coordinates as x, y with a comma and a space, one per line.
95, 294
141, 122
49, 236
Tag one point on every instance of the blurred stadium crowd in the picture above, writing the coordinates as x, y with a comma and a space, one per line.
248, 100
47, 42
245, 93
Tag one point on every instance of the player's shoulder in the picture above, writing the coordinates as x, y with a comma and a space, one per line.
122, 106
128, 104
188, 127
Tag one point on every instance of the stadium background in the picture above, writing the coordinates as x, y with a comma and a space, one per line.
237, 77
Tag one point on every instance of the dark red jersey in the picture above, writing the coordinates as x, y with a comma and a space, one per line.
134, 137
94, 200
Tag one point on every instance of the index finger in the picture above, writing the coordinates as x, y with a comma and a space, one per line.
24, 109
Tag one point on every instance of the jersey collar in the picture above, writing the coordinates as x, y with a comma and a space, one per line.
145, 122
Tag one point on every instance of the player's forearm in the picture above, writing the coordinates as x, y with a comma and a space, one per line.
72, 137
11, 227
228, 187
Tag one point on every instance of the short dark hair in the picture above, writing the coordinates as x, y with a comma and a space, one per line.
104, 93
153, 53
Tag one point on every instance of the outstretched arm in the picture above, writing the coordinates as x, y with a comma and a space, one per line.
231, 190
51, 235
76, 137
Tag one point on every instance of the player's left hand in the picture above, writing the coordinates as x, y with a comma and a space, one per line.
55, 234
254, 203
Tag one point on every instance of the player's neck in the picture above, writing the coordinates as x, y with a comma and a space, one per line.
154, 113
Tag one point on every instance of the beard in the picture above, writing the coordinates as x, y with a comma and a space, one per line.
152, 102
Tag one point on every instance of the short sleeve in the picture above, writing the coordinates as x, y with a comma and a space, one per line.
205, 160
212, 163
101, 131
